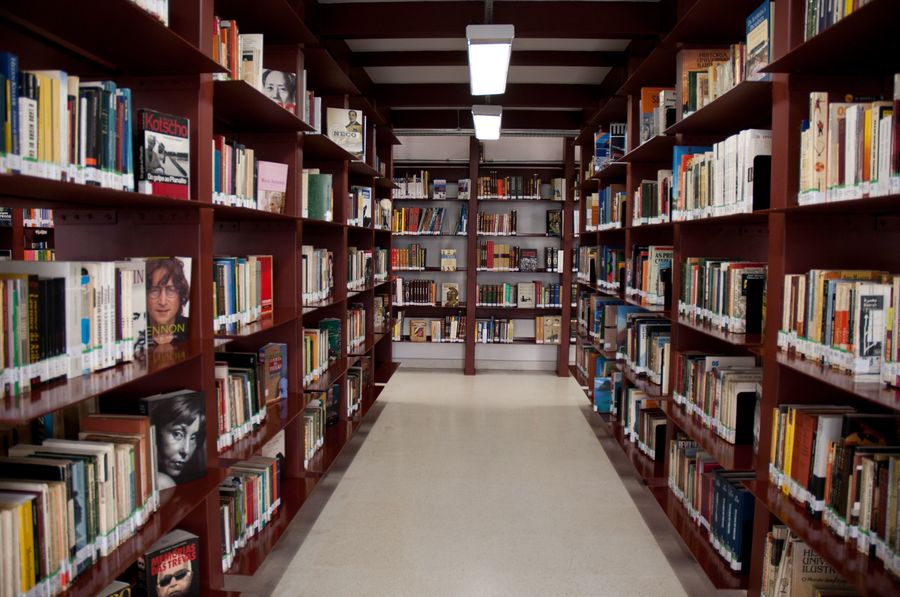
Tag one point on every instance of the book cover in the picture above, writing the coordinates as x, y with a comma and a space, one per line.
333, 326
180, 422
281, 88
345, 129
528, 260
171, 566
271, 186
697, 60
450, 294
418, 330
273, 372
164, 154
448, 260
759, 44
168, 295
525, 295
251, 51
554, 222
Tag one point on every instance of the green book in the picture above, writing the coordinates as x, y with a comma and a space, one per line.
320, 197
333, 325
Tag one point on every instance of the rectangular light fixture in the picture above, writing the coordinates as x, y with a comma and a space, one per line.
487, 122
489, 50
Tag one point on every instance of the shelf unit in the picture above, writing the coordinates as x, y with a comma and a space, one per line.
92, 223
468, 262
788, 237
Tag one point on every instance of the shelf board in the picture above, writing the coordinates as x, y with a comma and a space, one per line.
420, 235
359, 168
47, 398
744, 340
384, 373
871, 27
241, 106
614, 110
460, 270
278, 417
649, 308
275, 19
294, 493
516, 312
865, 574
524, 340
746, 105
334, 372
279, 317
354, 293
312, 222
650, 471
656, 70
611, 171
35, 191
730, 456
657, 149
535, 272
659, 226
643, 383
175, 504
326, 76
520, 201
336, 437
519, 235
315, 306
227, 213
758, 217
887, 204
712, 22
461, 306
379, 336
363, 349
385, 183
697, 541
93, 38
874, 391
428, 199
317, 146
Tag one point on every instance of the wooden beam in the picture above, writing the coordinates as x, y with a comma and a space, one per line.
462, 119
518, 58
566, 19
458, 96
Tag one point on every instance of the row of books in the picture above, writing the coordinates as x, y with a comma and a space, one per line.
651, 273
849, 148
356, 326
414, 292
419, 220
360, 206
499, 224
643, 421
35, 217
248, 501
791, 567
317, 271
382, 307
321, 347
605, 209
511, 188
381, 265
423, 186
317, 195
725, 295
246, 383
501, 257
843, 466
648, 347
652, 200
602, 266
66, 319
523, 295
845, 319
240, 179
315, 419
602, 319
449, 329
494, 331
243, 289
383, 211
722, 392
731, 177
716, 500
548, 329
822, 15
410, 257
609, 145
360, 272
657, 107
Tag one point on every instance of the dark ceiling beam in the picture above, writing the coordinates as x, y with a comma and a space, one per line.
567, 19
518, 58
458, 95
462, 119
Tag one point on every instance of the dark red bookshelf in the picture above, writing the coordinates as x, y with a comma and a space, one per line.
874, 392
278, 417
385, 372
656, 149
227, 213
650, 472
278, 18
744, 340
279, 318
243, 107
746, 105
730, 456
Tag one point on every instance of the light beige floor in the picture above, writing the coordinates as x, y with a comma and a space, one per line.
490, 485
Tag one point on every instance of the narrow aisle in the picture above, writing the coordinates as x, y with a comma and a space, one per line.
487, 485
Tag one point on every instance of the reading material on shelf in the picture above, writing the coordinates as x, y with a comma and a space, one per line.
164, 153
414, 292
494, 331
720, 390
515, 188
716, 500
180, 421
171, 566
603, 266
791, 567
360, 269
248, 501
381, 265
358, 379
242, 291
554, 222
500, 257
651, 273
652, 200
692, 74
726, 295
413, 257
383, 212
418, 221
848, 148
837, 318
360, 206
542, 295
317, 345
643, 422
758, 48
657, 106
648, 347
318, 195
313, 425
311, 109
820, 17
605, 209
316, 267
273, 372
609, 146
280, 87
449, 294
382, 313
345, 129
240, 396
548, 329
448, 260
157, 8
448, 329
497, 224
462, 223
356, 326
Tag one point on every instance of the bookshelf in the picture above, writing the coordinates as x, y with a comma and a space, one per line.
93, 223
788, 237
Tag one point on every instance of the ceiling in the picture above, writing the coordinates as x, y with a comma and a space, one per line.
409, 57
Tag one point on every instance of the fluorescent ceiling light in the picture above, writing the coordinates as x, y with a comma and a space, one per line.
487, 122
489, 50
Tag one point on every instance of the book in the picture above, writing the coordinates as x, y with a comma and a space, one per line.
345, 129
250, 48
528, 260
168, 287
554, 222
318, 195
273, 372
525, 295
171, 566
448, 260
164, 154
271, 189
116, 588
759, 42
180, 422
418, 330
450, 294
281, 88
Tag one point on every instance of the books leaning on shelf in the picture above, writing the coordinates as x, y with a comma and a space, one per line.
554, 222
449, 329
652, 200
243, 289
448, 260
418, 221
314, 417
838, 318
241, 391
692, 74
609, 146
726, 295
716, 500
360, 269
643, 422
360, 206
318, 195
605, 209
849, 148
382, 313
820, 17
414, 292
791, 567
411, 257
356, 326
499, 224
242, 180
721, 391
347, 128
648, 347
248, 501
730, 178
358, 378
657, 108
500, 257
548, 329
317, 271
842, 465
603, 266
494, 331
522, 295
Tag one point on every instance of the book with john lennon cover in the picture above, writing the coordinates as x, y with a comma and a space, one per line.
168, 285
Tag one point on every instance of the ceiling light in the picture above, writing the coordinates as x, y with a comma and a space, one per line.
489, 50
487, 122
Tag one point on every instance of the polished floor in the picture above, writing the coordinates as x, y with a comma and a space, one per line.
492, 485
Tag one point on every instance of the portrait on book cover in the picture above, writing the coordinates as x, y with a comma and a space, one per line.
168, 298
174, 572
281, 88
345, 128
166, 158
180, 423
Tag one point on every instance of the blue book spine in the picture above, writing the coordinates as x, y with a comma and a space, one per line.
9, 67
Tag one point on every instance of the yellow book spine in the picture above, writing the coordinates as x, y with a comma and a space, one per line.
54, 120
867, 146
789, 444
7, 128
26, 546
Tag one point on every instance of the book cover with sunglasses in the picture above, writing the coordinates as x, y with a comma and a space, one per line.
168, 283
171, 567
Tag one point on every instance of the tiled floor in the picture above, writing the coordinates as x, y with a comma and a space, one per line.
489, 485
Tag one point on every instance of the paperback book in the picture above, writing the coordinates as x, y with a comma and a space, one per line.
164, 154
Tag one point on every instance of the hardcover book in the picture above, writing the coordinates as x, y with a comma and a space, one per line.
450, 294
164, 154
168, 288
525, 295
180, 422
273, 372
528, 260
345, 129
171, 566
281, 88
271, 186
418, 330
251, 49
554, 222
448, 260
759, 43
